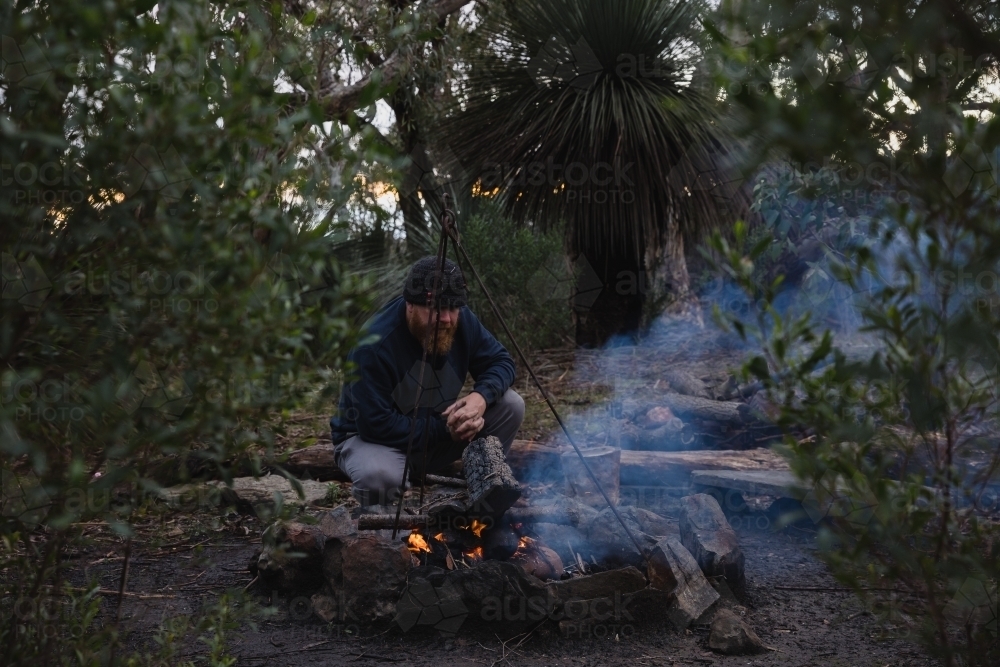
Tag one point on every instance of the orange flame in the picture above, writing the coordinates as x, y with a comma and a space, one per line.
477, 527
474, 555
416, 543
439, 537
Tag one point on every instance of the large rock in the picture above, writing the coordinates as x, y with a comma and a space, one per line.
251, 493
712, 541
673, 569
292, 558
373, 574
337, 523
601, 585
564, 540
609, 542
193, 496
652, 523
486, 588
731, 636
540, 561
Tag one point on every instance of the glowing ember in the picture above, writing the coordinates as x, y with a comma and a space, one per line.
474, 555
524, 542
439, 537
477, 527
416, 543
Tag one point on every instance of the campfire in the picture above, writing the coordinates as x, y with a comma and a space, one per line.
478, 541
576, 539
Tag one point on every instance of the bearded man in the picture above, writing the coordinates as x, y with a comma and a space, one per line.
375, 416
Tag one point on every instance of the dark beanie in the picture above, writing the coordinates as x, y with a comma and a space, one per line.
422, 277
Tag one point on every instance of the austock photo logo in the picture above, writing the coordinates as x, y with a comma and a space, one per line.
559, 62
834, 61
443, 609
150, 388
976, 169
554, 283
23, 65
152, 171
440, 607
22, 496
24, 281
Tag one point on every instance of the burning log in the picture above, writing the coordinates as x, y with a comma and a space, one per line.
492, 487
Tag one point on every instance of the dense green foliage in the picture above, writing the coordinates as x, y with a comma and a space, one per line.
903, 455
166, 283
527, 275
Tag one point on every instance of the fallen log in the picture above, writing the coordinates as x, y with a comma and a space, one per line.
705, 409
670, 468
446, 481
387, 521
674, 436
318, 462
686, 383
564, 511
532, 460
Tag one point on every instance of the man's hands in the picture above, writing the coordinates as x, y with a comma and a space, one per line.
465, 417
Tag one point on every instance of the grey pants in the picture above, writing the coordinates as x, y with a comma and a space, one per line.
376, 470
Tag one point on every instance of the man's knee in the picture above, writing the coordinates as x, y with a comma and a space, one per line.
376, 486
513, 404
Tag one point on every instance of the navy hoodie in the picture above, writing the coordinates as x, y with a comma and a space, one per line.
378, 405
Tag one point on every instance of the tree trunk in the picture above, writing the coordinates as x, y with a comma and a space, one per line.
607, 296
668, 289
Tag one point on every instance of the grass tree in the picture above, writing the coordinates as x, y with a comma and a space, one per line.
590, 113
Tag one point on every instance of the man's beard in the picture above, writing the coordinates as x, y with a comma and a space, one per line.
425, 334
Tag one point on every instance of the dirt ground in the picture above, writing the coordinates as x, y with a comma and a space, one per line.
794, 605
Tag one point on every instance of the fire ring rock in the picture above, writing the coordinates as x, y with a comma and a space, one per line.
492, 487
374, 572
712, 541
673, 569
609, 541
731, 636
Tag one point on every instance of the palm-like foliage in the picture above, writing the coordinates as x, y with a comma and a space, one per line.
591, 83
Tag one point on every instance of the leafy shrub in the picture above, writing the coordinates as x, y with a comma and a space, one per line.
902, 457
166, 287
527, 274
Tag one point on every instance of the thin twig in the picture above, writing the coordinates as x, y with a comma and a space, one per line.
124, 580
